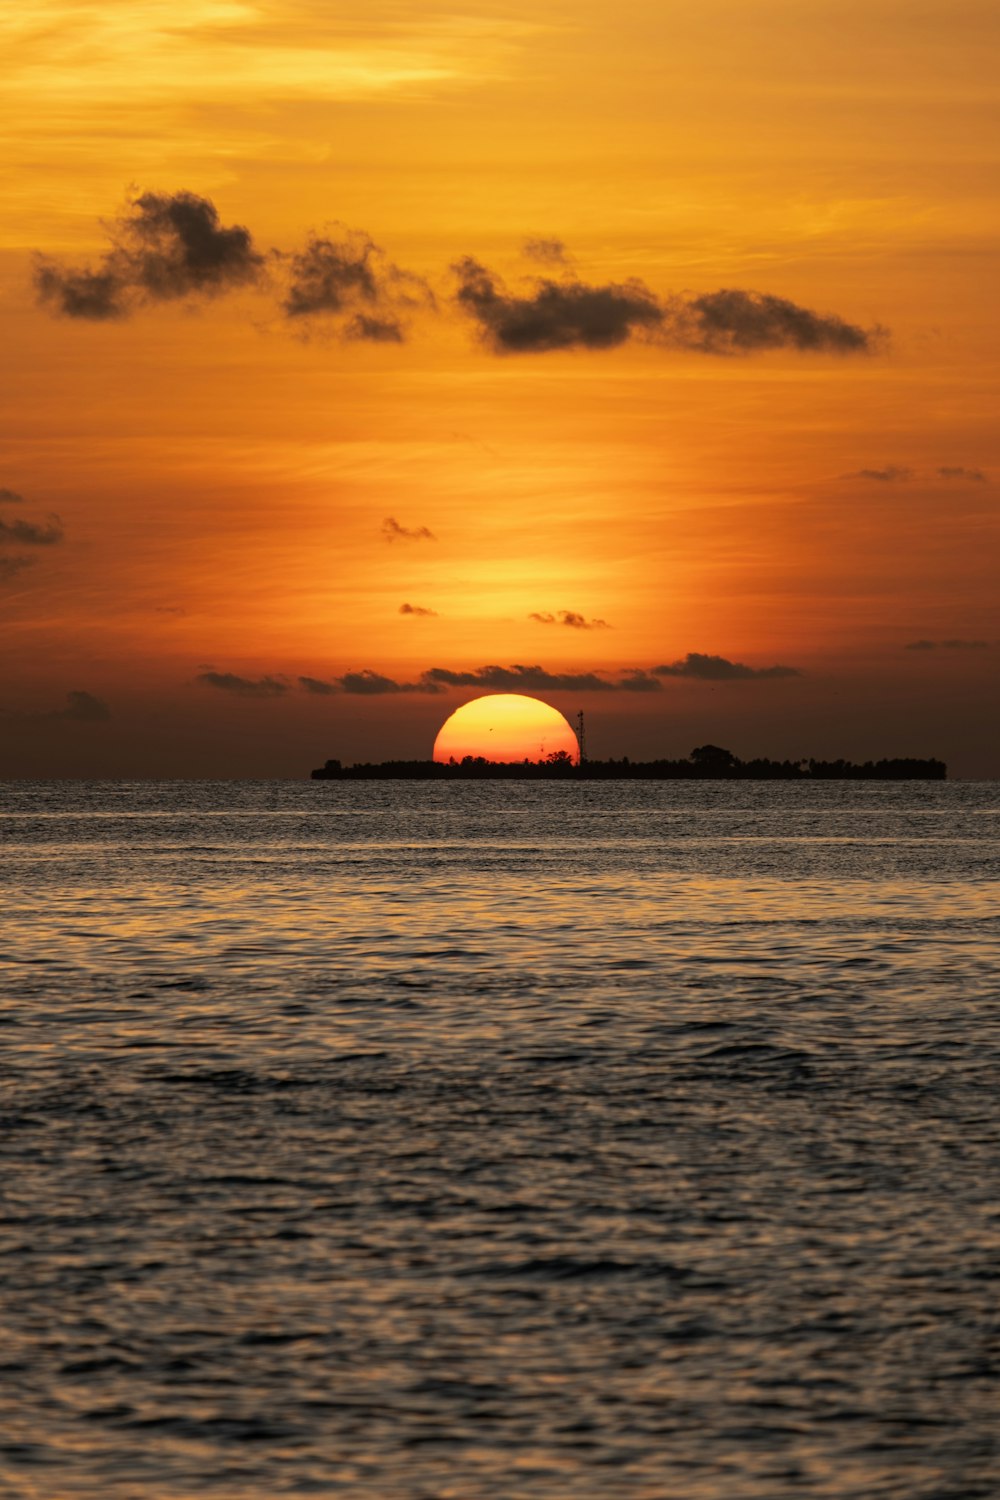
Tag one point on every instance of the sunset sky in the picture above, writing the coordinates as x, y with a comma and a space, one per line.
365, 356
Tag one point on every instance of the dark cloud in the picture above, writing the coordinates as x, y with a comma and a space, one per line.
957, 471
345, 276
952, 645
329, 276
75, 292
84, 708
516, 679
31, 533
891, 474
175, 245
244, 687
24, 534
12, 564
569, 314
81, 708
571, 618
558, 315
165, 246
393, 532
733, 321
637, 681
368, 684
549, 252
718, 669
418, 609
363, 329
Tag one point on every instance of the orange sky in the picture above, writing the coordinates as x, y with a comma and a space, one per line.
678, 484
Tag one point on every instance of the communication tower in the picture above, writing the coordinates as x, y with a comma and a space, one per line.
581, 737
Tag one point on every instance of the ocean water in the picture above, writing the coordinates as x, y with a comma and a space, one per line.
500, 1141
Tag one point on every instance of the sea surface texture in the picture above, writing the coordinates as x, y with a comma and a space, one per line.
499, 1141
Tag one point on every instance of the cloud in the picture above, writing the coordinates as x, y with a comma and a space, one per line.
244, 687
571, 618
392, 532
638, 681
374, 330
84, 708
549, 252
956, 471
75, 292
518, 678
891, 474
11, 565
570, 314
558, 315
345, 276
24, 534
366, 684
418, 609
32, 534
733, 321
369, 684
952, 645
165, 246
717, 669
81, 708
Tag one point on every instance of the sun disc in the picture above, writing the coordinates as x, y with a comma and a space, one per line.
505, 727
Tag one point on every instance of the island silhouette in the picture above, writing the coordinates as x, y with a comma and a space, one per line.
705, 763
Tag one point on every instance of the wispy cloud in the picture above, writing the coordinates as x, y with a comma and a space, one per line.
950, 645
548, 252
902, 474
392, 531
419, 610
81, 708
13, 563
957, 471
571, 618
32, 533
244, 687
891, 474
21, 533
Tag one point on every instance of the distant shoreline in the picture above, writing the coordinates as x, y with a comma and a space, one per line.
709, 763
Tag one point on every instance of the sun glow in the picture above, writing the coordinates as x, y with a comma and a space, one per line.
505, 727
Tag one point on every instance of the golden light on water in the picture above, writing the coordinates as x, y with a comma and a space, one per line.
505, 727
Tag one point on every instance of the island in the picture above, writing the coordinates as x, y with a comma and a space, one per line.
706, 763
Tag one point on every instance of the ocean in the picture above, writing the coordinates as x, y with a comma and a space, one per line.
500, 1141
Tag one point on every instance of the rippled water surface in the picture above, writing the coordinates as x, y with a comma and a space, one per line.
486, 1141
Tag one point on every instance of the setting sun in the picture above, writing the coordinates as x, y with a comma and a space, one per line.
505, 727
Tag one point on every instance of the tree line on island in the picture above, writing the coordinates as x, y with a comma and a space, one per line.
706, 763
